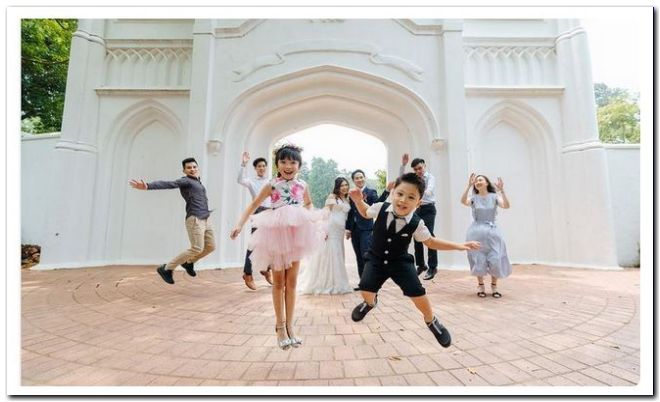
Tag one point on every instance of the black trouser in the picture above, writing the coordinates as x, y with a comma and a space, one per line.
427, 213
247, 268
361, 240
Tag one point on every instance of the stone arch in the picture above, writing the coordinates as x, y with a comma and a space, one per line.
533, 170
326, 94
138, 127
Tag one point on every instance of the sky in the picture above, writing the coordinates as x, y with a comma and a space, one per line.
615, 52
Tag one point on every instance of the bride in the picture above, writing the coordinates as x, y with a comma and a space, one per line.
325, 272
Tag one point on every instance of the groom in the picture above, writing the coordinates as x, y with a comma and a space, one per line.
358, 229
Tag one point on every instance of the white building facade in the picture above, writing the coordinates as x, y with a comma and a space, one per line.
508, 98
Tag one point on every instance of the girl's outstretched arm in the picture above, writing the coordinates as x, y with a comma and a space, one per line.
265, 192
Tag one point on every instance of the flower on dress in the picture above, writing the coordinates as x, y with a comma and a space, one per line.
275, 196
297, 191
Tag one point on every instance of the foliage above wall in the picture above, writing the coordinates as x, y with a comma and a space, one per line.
618, 115
45, 47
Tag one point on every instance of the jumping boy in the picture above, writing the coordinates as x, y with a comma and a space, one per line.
396, 224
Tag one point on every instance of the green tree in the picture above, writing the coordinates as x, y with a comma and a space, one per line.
617, 114
321, 180
381, 181
618, 122
45, 47
605, 94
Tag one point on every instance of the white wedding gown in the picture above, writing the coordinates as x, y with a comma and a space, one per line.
325, 271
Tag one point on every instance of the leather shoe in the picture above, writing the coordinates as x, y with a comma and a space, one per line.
249, 282
166, 274
430, 274
268, 276
421, 269
190, 268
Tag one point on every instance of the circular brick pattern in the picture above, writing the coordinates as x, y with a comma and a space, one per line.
125, 326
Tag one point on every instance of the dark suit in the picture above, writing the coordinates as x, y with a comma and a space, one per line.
360, 227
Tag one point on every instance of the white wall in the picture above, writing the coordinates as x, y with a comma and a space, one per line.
624, 169
37, 181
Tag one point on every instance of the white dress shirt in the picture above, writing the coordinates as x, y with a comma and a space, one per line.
253, 184
429, 180
421, 233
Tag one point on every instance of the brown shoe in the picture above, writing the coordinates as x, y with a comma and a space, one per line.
249, 282
268, 276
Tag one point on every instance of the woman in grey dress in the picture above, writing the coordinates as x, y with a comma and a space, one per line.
491, 259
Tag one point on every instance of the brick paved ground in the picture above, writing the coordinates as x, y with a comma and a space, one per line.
125, 326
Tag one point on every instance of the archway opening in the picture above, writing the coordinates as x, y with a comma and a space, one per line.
331, 150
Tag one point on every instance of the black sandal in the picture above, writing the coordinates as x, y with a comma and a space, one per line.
482, 290
495, 294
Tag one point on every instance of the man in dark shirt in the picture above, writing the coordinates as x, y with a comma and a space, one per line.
200, 230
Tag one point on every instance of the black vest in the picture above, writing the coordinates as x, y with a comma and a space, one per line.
390, 245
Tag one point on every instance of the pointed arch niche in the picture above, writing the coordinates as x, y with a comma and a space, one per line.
143, 142
321, 95
513, 141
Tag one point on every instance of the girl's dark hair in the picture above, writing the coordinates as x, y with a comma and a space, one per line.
338, 183
489, 187
289, 151
256, 161
413, 179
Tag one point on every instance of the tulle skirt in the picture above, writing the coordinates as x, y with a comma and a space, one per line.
285, 235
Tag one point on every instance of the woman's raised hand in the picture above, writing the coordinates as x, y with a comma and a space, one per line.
499, 185
472, 179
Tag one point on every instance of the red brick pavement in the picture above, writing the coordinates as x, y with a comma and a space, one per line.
124, 326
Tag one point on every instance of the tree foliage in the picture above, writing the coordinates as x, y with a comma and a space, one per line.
321, 180
45, 47
618, 115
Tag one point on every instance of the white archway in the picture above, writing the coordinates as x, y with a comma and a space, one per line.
327, 94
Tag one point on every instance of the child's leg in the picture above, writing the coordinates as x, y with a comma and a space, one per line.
278, 302
369, 297
424, 306
291, 279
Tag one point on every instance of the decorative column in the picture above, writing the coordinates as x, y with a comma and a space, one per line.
589, 226
201, 142
69, 223
452, 216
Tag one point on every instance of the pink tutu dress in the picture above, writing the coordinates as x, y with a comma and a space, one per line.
287, 232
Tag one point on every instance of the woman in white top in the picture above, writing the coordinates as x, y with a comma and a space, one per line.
325, 272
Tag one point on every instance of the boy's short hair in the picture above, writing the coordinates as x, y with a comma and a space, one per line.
416, 162
356, 171
188, 160
412, 178
256, 162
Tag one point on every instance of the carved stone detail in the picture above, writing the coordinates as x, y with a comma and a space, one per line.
319, 46
160, 67
510, 65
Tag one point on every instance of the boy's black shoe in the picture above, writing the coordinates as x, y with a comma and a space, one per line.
361, 310
190, 268
166, 274
421, 269
440, 332
430, 274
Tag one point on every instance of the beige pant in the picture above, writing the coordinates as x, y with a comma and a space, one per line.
202, 242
